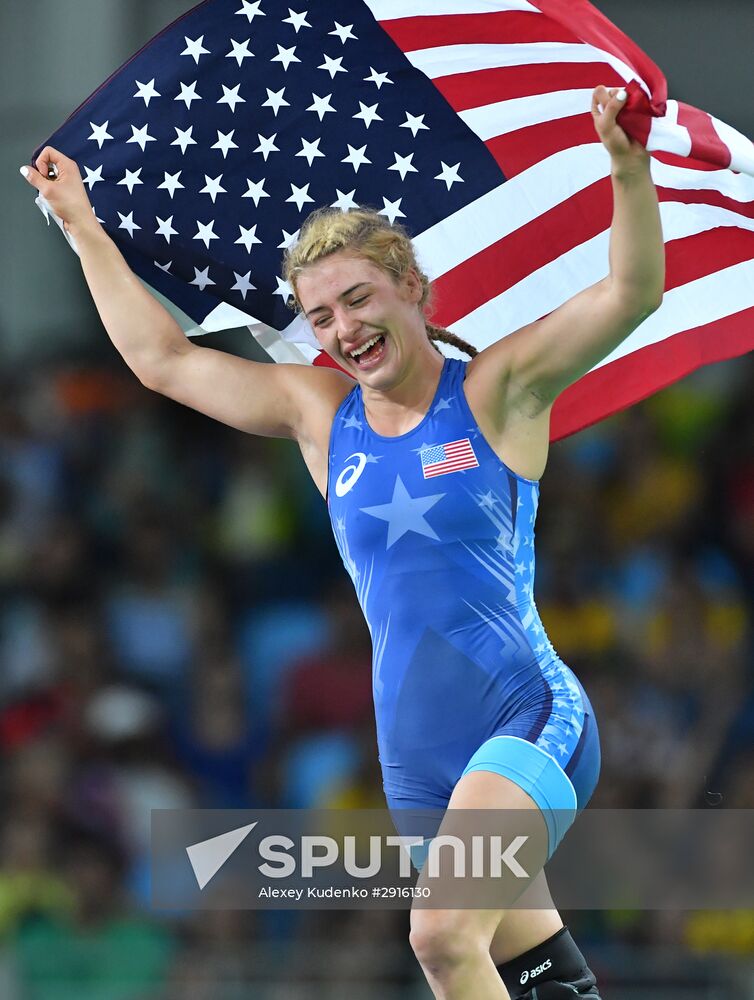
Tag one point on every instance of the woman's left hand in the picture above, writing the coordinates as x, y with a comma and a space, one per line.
607, 103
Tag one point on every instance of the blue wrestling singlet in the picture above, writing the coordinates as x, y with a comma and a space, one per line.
437, 535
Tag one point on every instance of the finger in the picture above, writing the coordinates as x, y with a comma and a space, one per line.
50, 162
32, 176
600, 98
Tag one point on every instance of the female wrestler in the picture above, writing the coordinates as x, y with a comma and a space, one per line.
474, 708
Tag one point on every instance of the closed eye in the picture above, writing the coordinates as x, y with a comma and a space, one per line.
357, 302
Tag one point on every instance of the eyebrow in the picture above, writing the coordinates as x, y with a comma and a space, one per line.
342, 295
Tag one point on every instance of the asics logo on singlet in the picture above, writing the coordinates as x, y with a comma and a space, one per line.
350, 475
533, 973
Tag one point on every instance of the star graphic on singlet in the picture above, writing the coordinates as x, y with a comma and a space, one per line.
442, 404
405, 513
487, 500
352, 422
373, 459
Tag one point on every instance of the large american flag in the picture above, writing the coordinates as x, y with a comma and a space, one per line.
466, 120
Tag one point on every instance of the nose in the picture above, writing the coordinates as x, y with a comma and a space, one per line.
348, 326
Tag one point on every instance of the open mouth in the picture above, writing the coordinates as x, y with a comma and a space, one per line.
370, 352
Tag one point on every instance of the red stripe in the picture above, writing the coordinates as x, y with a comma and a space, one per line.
509, 260
505, 83
519, 150
594, 28
699, 196
676, 160
628, 380
508, 27
695, 256
706, 144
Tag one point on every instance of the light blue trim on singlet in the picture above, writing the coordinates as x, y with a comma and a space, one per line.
538, 774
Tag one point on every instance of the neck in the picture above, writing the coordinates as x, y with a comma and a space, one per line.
400, 408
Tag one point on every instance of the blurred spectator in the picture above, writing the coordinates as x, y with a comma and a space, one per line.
100, 951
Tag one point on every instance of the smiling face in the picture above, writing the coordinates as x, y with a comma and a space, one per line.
368, 322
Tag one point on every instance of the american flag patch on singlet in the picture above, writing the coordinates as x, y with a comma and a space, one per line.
440, 459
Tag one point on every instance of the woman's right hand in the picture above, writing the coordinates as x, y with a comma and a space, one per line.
66, 194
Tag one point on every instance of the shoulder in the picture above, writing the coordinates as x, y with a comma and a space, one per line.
318, 392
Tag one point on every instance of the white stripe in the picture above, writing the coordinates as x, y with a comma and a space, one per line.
388, 10
741, 148
666, 134
740, 187
444, 60
506, 208
507, 116
553, 284
696, 303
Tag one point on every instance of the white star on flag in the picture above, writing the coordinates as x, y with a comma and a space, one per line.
344, 201
188, 94
248, 237
206, 232
404, 165
231, 96
251, 9
300, 195
377, 78
240, 51
333, 66
213, 187
146, 91
131, 179
165, 228
283, 289
288, 239
321, 105
256, 190
286, 56
392, 209
275, 100
369, 114
164, 267
171, 183
343, 32
225, 142
297, 20
201, 278
127, 223
184, 138
355, 157
310, 150
449, 174
141, 136
267, 145
415, 123
195, 48
243, 285
100, 133
93, 176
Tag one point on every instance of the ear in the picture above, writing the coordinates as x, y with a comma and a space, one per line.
413, 285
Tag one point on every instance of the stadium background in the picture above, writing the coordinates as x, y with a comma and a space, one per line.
176, 629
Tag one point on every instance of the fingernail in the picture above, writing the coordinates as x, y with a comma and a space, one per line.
24, 171
621, 95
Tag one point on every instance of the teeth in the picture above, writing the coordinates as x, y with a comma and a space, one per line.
360, 350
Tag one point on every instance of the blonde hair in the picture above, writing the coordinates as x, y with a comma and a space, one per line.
370, 235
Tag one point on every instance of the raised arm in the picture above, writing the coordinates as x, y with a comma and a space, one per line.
537, 362
271, 400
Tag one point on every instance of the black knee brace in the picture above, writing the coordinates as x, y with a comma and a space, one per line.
553, 970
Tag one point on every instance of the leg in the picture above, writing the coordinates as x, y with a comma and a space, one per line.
453, 946
522, 929
535, 941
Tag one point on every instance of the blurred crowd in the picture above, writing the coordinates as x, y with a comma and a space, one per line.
177, 631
